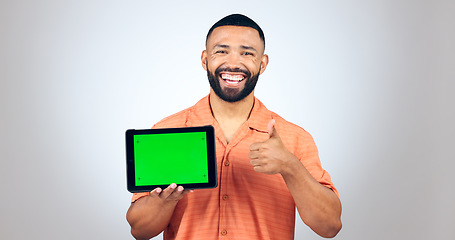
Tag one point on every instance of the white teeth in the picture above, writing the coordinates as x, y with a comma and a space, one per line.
231, 77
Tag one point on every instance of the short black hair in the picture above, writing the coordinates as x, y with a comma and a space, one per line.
237, 20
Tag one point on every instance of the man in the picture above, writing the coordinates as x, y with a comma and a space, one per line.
266, 165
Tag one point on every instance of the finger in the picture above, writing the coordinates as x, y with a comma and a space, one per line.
179, 193
253, 154
168, 191
188, 191
255, 146
260, 169
257, 162
176, 193
155, 192
271, 129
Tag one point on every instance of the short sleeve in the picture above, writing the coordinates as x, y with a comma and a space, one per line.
307, 152
136, 196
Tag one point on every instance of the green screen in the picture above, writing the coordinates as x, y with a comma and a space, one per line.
162, 159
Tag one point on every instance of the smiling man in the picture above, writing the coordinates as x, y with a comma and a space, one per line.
266, 166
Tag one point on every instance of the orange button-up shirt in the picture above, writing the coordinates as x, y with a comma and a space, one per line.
246, 204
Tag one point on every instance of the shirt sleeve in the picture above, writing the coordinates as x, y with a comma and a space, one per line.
308, 154
136, 196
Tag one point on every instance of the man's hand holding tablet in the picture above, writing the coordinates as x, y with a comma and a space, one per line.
171, 193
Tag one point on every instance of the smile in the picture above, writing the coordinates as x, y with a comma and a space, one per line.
232, 78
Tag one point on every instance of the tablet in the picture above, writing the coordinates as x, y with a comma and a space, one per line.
159, 157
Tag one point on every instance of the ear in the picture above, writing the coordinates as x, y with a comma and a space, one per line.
204, 59
264, 62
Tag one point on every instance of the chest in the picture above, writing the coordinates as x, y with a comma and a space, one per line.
230, 128
234, 168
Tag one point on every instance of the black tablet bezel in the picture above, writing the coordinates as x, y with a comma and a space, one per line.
211, 157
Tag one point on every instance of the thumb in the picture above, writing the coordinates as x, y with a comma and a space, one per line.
271, 129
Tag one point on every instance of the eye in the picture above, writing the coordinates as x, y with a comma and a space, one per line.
248, 54
221, 51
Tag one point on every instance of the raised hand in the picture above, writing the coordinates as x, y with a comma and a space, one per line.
270, 156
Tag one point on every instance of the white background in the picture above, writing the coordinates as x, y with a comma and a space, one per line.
372, 81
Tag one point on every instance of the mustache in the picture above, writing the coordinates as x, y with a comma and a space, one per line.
228, 69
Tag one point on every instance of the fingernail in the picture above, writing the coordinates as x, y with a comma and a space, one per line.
180, 188
173, 185
158, 190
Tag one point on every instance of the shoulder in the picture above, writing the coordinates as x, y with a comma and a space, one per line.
175, 120
286, 128
295, 138
199, 114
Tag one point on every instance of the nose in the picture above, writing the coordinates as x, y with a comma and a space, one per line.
233, 61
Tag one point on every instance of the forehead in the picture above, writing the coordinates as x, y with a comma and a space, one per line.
235, 35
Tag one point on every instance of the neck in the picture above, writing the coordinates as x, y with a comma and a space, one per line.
231, 111
230, 116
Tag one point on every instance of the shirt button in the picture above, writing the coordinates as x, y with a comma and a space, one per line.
224, 232
225, 197
226, 163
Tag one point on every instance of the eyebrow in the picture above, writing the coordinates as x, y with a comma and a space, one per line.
242, 46
221, 46
248, 48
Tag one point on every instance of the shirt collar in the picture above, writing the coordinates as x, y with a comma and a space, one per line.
201, 113
260, 116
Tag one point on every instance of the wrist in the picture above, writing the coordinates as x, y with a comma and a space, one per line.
291, 167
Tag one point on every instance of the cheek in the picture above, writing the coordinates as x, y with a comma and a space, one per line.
212, 63
256, 63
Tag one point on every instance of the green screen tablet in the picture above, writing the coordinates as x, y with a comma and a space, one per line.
159, 157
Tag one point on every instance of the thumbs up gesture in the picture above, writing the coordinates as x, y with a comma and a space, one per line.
271, 156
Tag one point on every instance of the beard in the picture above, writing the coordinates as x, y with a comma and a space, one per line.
232, 94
